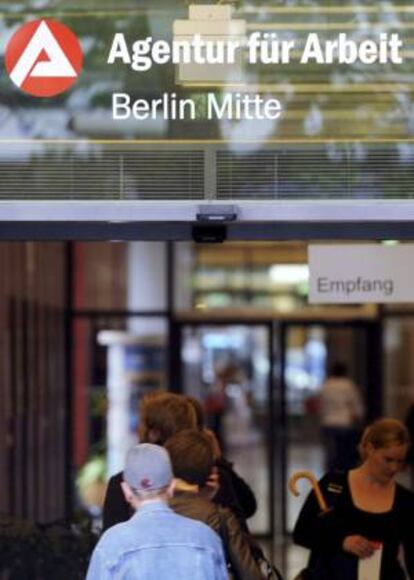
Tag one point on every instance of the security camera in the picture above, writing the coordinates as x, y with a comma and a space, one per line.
209, 234
216, 213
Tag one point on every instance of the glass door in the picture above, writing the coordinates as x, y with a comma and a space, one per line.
310, 352
227, 367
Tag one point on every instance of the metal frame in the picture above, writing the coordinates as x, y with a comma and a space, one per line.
173, 220
277, 231
166, 211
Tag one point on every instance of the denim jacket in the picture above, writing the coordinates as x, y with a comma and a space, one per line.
157, 544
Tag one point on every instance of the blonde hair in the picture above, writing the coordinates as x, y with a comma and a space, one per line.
383, 433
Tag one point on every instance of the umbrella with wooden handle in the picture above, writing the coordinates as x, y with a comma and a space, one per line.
319, 497
315, 485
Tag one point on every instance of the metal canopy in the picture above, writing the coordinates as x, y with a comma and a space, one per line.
176, 221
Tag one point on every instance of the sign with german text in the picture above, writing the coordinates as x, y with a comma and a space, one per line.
361, 273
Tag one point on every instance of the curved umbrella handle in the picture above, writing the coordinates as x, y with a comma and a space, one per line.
315, 486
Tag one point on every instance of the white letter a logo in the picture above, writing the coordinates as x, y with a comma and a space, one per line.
58, 64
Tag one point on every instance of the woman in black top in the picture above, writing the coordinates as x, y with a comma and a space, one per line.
367, 508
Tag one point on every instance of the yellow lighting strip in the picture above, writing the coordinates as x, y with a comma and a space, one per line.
327, 9
260, 10
96, 14
308, 88
286, 141
329, 115
311, 26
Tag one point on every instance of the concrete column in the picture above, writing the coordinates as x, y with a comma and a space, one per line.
120, 437
147, 285
183, 263
136, 358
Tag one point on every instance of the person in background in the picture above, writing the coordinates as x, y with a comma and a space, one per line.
368, 511
215, 403
156, 543
341, 412
192, 460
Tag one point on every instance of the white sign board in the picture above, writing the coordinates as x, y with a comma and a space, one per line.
359, 273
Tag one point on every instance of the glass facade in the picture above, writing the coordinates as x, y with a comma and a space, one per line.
345, 131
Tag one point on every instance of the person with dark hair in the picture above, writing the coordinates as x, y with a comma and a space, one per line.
192, 459
156, 542
370, 516
341, 411
161, 415
233, 491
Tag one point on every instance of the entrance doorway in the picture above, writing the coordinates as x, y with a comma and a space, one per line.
269, 422
229, 368
309, 349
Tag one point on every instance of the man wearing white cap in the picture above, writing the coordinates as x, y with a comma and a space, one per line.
156, 543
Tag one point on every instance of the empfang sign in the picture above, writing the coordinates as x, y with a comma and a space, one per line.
44, 58
361, 273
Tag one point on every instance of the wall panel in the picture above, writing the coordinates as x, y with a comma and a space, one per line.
33, 419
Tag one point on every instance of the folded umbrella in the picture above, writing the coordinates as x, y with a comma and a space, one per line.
315, 485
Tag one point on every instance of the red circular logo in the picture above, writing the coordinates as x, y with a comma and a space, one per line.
44, 58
